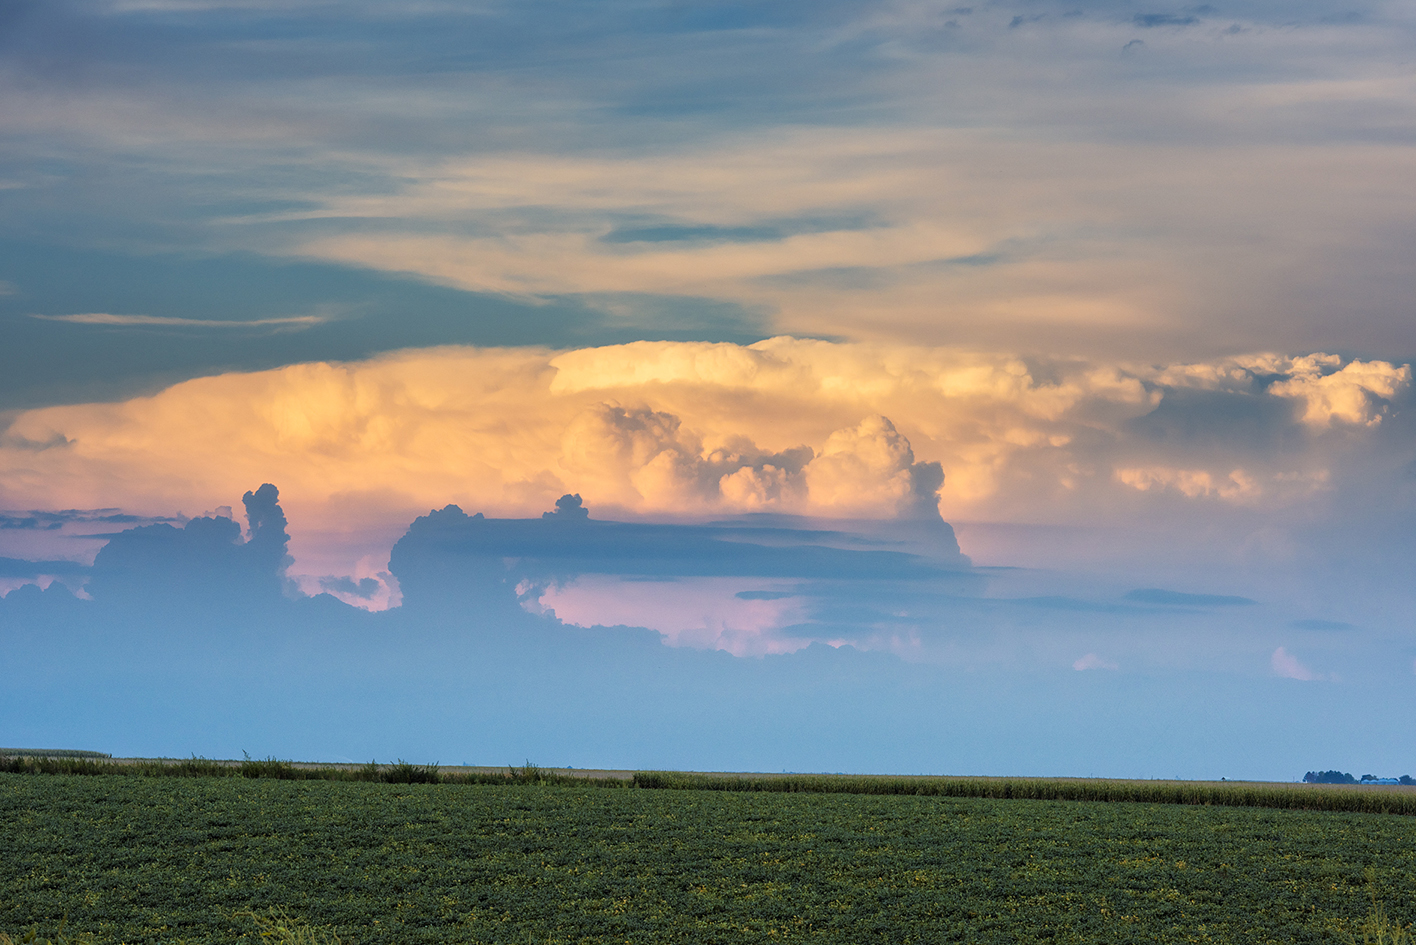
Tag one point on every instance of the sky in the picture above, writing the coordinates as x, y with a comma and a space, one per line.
1007, 388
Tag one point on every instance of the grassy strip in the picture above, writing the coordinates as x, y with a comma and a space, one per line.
400, 773
1294, 797
1367, 800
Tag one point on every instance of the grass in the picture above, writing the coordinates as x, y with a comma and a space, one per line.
1351, 798
400, 772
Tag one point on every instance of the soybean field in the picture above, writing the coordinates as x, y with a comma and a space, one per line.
168, 860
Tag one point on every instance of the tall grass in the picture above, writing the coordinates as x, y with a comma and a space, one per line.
1371, 800
1238, 794
401, 772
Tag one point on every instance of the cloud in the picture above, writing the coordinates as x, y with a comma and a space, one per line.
20, 568
1286, 665
158, 321
1359, 393
1233, 199
1092, 661
704, 614
363, 589
1151, 20
154, 567
784, 425
1328, 389
554, 547
57, 520
1192, 483
1155, 595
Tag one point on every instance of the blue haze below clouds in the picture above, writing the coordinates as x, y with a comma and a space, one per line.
164, 162
192, 645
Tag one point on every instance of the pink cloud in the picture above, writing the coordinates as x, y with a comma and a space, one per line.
1286, 665
704, 613
1092, 661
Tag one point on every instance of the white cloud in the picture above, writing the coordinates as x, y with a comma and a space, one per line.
865, 470
1358, 393
1329, 391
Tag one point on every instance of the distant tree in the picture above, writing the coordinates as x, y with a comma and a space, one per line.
1328, 777
1407, 779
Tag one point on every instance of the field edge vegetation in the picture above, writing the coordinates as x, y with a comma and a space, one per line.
1369, 800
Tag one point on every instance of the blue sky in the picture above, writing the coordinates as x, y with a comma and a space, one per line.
1119, 291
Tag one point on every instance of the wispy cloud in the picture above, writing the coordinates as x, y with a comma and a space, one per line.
43, 520
158, 321
1155, 595
1192, 203
1092, 661
1287, 665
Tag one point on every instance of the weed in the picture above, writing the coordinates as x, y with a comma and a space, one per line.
405, 773
269, 768
278, 927
527, 774
1378, 928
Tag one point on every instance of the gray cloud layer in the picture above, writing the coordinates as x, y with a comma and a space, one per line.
1200, 181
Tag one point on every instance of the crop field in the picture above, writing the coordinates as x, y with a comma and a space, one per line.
147, 859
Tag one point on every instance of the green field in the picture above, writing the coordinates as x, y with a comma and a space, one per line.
144, 859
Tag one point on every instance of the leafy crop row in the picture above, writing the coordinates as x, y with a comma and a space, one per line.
170, 860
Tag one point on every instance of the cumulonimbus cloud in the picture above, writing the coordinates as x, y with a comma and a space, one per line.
686, 428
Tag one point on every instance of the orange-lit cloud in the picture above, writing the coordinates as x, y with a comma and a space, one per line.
890, 233
679, 429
